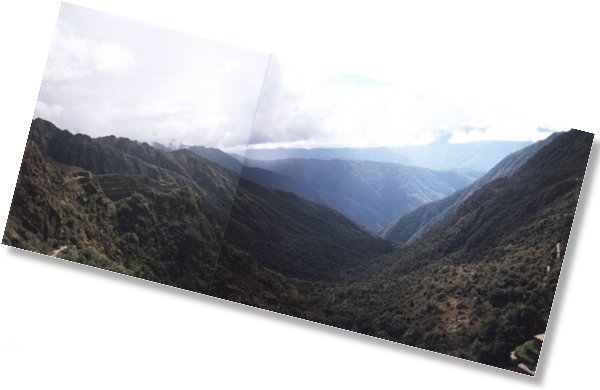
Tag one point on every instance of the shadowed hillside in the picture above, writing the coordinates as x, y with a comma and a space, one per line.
297, 237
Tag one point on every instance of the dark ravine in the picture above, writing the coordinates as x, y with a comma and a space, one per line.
474, 286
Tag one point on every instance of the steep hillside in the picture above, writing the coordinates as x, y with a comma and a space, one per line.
483, 282
296, 237
369, 193
162, 215
158, 234
274, 180
164, 236
113, 155
82, 151
417, 222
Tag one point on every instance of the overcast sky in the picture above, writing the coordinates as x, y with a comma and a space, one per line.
110, 75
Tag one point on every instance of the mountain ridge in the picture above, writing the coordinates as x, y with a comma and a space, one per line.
475, 286
369, 193
207, 203
415, 223
483, 281
440, 155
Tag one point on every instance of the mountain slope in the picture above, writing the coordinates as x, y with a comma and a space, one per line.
411, 225
369, 193
218, 156
550, 179
484, 281
296, 237
476, 286
162, 236
162, 215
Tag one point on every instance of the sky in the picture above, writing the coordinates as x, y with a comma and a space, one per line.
111, 75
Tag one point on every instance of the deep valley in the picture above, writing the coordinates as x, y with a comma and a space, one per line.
462, 266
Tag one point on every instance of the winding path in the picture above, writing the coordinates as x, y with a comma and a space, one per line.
56, 252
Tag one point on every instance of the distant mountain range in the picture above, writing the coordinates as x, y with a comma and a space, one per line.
475, 283
218, 156
441, 155
370, 193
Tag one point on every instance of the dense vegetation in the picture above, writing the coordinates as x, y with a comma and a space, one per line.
476, 286
296, 237
162, 216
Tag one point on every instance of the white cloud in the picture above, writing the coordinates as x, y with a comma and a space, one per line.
73, 57
48, 111
110, 57
157, 109
326, 109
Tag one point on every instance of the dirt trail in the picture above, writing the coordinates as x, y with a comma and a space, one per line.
56, 252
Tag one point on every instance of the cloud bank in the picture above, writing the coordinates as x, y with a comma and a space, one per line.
109, 75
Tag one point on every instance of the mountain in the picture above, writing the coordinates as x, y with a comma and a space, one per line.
483, 282
369, 193
175, 218
440, 155
212, 154
115, 155
218, 156
296, 237
476, 286
264, 177
274, 180
379, 154
365, 197
415, 223
478, 156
